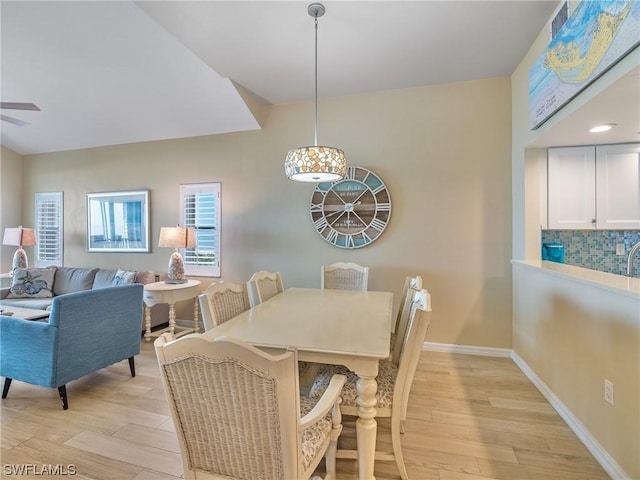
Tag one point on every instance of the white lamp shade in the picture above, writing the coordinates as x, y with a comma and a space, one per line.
315, 164
177, 237
20, 237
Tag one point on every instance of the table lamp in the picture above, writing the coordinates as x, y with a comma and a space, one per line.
20, 237
176, 237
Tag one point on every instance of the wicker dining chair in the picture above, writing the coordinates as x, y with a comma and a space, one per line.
344, 276
238, 413
221, 302
411, 284
394, 381
263, 285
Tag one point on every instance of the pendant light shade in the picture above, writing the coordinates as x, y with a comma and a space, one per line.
315, 163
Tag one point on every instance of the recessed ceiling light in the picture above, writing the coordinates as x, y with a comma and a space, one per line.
605, 127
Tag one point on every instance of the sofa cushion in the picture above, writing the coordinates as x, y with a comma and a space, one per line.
104, 278
123, 277
35, 303
72, 279
32, 283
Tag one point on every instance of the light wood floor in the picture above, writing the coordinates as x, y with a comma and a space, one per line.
469, 418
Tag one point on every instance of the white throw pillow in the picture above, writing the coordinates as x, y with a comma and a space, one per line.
123, 277
32, 283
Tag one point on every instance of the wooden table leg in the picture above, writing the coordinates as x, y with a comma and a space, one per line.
147, 323
366, 426
172, 319
195, 315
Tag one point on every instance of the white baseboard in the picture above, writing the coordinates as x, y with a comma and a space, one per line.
467, 349
599, 453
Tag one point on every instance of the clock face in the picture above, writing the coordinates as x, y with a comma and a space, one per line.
352, 212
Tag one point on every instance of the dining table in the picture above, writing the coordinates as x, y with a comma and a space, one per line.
339, 327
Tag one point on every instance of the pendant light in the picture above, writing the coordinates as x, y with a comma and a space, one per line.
315, 163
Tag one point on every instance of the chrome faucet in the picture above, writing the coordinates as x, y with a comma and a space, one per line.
632, 254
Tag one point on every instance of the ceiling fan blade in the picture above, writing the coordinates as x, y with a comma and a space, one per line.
19, 106
15, 121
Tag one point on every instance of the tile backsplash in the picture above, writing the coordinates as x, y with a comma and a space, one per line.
596, 249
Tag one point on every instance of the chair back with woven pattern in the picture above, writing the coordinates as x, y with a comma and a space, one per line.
417, 327
221, 302
263, 285
235, 408
411, 286
344, 276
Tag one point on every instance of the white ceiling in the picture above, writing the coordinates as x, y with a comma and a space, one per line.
118, 72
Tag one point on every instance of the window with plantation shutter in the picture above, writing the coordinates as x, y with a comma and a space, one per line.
200, 210
48, 249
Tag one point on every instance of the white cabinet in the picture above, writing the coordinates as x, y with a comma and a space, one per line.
572, 188
618, 186
594, 187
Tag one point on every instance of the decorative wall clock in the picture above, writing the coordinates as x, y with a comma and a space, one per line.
352, 212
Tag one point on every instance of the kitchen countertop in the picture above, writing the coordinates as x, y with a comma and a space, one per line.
617, 283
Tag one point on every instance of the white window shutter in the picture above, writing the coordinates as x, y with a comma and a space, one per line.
200, 209
49, 229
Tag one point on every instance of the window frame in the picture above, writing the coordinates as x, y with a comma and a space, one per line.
191, 268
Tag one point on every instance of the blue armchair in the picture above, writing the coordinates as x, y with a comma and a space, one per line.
86, 331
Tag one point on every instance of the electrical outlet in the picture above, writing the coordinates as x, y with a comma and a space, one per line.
619, 248
608, 391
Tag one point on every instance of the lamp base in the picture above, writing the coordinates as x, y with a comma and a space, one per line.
175, 272
19, 259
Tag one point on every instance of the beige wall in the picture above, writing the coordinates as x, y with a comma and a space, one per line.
443, 151
570, 334
11, 210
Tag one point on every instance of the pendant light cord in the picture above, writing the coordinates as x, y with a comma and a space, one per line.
315, 118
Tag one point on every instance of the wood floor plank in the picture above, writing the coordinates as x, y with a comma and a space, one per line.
416, 456
461, 447
547, 473
541, 407
22, 425
498, 424
106, 409
537, 414
560, 445
448, 475
506, 471
128, 451
149, 475
151, 437
88, 464
560, 462
167, 426
439, 430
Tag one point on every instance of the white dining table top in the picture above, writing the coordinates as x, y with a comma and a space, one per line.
316, 320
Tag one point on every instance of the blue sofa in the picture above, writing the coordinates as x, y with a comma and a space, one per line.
86, 331
74, 279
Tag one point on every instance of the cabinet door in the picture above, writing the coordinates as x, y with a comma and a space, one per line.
572, 189
618, 186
